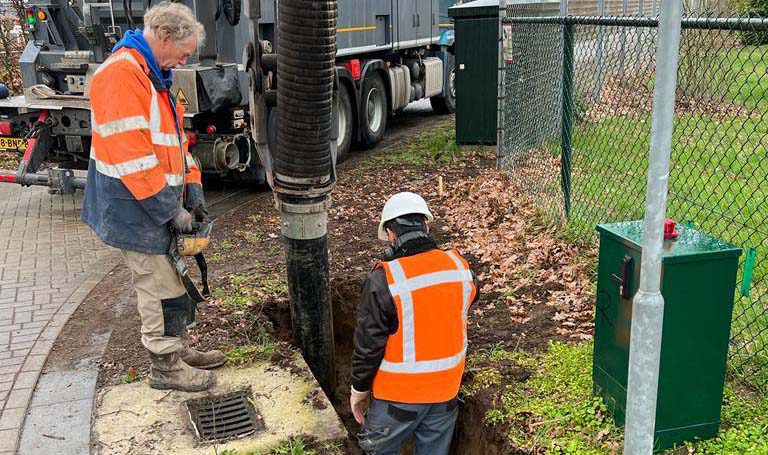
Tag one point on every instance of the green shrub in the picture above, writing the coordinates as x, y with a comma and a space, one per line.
755, 8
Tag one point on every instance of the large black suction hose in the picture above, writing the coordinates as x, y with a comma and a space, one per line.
306, 47
304, 174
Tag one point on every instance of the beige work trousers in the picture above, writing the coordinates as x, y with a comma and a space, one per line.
155, 280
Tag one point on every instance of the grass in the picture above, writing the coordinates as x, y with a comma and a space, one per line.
244, 355
246, 293
436, 146
293, 446
215, 258
734, 74
554, 412
132, 375
247, 290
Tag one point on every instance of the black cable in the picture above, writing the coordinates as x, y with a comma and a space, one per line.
129, 16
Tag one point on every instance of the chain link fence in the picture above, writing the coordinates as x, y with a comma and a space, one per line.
575, 132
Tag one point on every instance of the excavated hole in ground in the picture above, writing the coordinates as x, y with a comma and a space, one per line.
471, 436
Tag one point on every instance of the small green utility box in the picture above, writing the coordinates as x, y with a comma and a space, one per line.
698, 283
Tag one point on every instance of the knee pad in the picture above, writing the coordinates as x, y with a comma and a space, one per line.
178, 312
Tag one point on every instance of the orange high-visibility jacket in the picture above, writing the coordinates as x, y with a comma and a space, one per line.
140, 161
424, 360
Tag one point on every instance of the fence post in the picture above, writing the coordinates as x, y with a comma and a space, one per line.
600, 43
648, 304
639, 36
567, 121
500, 86
623, 56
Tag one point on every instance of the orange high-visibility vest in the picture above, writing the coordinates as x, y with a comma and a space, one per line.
136, 139
424, 360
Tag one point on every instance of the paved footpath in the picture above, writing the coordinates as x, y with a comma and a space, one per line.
49, 262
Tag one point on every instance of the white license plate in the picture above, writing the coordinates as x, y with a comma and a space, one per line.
13, 143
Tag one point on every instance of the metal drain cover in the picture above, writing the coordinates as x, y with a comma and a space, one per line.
224, 417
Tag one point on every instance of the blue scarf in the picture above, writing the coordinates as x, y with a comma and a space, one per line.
134, 39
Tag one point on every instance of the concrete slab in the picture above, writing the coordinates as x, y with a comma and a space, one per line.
133, 418
57, 428
61, 386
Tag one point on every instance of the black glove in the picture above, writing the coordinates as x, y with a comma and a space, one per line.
201, 213
195, 202
182, 221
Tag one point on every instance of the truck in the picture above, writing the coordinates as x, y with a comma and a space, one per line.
390, 53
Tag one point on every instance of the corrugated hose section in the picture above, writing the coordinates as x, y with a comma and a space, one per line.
306, 49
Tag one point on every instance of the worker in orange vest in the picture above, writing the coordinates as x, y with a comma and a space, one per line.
143, 182
410, 343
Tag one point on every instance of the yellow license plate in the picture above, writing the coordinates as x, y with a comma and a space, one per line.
13, 143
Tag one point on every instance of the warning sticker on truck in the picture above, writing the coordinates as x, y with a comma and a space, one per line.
182, 97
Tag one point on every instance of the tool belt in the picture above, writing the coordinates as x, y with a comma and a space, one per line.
192, 244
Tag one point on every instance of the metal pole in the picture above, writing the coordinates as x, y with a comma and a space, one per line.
639, 36
500, 85
567, 120
600, 39
623, 56
648, 304
563, 7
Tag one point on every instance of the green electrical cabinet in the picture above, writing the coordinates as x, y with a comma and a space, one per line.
476, 25
698, 281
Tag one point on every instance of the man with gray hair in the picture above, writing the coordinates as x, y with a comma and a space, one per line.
143, 183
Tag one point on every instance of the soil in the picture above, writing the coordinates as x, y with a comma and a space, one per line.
246, 243
97, 317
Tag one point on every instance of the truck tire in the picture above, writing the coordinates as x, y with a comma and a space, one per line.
446, 104
344, 114
373, 110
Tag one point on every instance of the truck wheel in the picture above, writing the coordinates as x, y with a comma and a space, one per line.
446, 104
344, 111
373, 115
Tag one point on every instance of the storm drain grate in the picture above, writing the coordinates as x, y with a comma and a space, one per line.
224, 417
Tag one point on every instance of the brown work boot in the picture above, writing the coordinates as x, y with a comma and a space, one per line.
203, 360
198, 359
168, 371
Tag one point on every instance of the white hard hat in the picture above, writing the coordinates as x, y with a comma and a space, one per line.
402, 204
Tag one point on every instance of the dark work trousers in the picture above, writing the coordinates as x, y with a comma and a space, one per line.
389, 424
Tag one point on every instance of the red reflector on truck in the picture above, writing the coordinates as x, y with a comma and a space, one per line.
354, 68
191, 138
6, 129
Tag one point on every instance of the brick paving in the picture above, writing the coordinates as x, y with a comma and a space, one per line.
49, 262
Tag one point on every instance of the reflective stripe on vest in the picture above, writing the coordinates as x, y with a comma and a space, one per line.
404, 287
129, 167
120, 126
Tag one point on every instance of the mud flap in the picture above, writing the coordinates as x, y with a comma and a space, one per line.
44, 143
